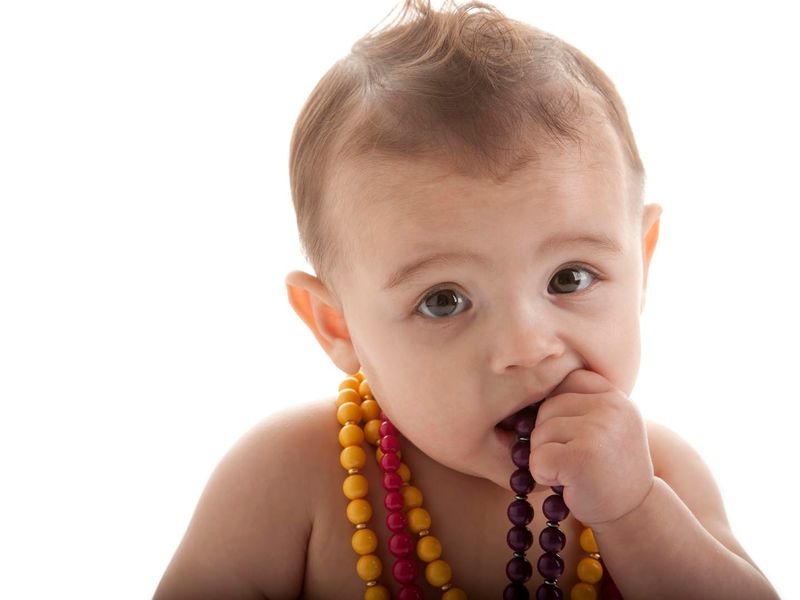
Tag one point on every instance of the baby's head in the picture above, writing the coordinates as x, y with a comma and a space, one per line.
470, 195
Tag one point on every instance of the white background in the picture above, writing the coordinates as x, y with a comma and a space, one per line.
146, 228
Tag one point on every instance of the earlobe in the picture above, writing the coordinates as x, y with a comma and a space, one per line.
315, 305
651, 221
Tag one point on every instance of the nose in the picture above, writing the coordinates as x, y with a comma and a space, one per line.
524, 337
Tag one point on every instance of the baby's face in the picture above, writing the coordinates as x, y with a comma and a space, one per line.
514, 302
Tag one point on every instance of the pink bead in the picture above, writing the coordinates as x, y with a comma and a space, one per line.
404, 570
390, 443
392, 481
401, 544
390, 462
387, 428
396, 521
393, 501
410, 592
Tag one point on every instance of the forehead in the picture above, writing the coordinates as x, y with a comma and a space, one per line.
404, 206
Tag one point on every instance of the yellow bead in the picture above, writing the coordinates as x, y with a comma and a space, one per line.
355, 486
377, 592
438, 573
590, 570
454, 593
404, 472
351, 435
359, 511
353, 457
418, 519
369, 567
348, 395
351, 382
583, 591
360, 376
588, 542
364, 389
349, 411
371, 431
370, 409
378, 454
364, 541
412, 497
429, 548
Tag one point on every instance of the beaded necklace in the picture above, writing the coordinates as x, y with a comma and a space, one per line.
355, 404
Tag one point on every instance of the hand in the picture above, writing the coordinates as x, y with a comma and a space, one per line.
590, 438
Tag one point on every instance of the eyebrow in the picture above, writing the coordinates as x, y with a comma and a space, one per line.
599, 241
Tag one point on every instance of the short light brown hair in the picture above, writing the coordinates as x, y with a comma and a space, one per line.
466, 85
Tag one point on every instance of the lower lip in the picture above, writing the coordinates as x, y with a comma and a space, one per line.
507, 438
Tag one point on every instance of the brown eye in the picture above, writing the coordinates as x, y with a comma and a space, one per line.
572, 279
441, 303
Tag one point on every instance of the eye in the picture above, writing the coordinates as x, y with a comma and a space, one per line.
573, 278
441, 303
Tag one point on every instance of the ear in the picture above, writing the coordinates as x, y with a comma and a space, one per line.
319, 309
650, 223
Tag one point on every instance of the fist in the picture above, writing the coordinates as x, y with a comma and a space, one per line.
590, 438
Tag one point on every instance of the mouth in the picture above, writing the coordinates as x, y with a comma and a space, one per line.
522, 421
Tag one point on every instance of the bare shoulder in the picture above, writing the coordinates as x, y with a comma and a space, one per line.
248, 536
684, 470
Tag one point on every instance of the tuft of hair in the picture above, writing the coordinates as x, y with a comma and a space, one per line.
465, 85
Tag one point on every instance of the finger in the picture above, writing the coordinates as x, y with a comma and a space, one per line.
544, 464
557, 429
583, 381
565, 405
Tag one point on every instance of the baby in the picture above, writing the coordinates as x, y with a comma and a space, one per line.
462, 158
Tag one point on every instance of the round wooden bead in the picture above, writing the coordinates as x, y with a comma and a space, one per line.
369, 567
352, 382
349, 411
355, 486
454, 593
404, 471
371, 431
438, 573
364, 541
353, 457
351, 435
347, 395
370, 410
364, 389
419, 519
583, 591
359, 511
588, 542
377, 592
412, 496
429, 548
590, 570
359, 375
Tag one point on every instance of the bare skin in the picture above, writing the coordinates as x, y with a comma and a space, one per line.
300, 546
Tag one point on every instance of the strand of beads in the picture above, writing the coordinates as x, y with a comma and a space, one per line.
552, 541
350, 412
401, 496
520, 512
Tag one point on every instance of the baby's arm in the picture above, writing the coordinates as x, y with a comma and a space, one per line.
681, 534
249, 533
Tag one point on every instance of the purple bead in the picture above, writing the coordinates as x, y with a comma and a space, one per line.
558, 489
550, 565
522, 481
519, 538
549, 592
554, 508
516, 591
519, 570
552, 539
526, 418
521, 453
520, 512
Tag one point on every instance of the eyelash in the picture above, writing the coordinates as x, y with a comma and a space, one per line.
596, 277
